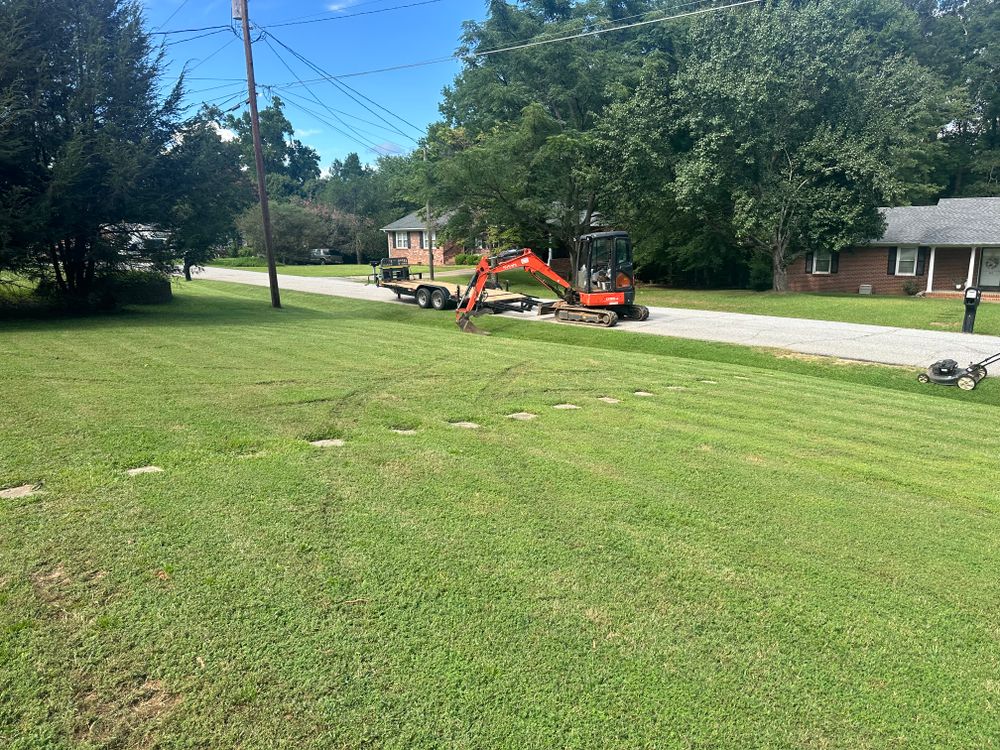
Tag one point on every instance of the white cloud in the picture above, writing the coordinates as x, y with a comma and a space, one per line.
224, 133
337, 7
305, 133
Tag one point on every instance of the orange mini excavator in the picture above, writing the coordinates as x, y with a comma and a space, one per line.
604, 291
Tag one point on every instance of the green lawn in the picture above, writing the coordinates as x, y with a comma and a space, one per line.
338, 270
798, 554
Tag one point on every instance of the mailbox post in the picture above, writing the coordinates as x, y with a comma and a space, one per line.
972, 299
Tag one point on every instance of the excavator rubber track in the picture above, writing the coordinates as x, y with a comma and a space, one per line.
593, 316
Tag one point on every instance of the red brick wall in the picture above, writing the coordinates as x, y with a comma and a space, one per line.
950, 264
417, 255
869, 266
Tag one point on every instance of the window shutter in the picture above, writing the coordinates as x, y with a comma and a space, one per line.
921, 260
809, 262
834, 262
891, 269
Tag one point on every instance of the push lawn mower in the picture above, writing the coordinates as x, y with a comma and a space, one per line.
947, 372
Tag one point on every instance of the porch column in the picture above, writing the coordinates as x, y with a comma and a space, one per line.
930, 271
972, 267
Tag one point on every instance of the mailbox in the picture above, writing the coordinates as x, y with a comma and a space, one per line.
972, 298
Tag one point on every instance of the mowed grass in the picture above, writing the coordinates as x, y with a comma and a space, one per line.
339, 271
898, 311
796, 554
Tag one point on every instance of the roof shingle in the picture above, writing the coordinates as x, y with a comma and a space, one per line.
962, 222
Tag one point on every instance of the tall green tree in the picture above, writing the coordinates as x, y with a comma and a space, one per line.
296, 230
791, 127
288, 163
84, 94
208, 190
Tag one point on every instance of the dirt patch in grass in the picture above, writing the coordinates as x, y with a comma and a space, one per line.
108, 719
51, 584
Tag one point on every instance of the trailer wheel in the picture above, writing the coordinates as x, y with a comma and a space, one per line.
423, 297
967, 383
438, 300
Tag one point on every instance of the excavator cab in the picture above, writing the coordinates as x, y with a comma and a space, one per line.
605, 271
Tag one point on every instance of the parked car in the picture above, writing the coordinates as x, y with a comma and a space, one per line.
325, 256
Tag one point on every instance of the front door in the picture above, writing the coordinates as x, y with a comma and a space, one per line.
989, 271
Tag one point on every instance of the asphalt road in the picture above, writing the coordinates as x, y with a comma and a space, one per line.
894, 346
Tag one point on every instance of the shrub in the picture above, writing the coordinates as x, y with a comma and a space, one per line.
139, 288
911, 287
467, 259
243, 261
761, 275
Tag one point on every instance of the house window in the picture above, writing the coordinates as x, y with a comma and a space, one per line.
906, 261
402, 241
423, 240
822, 262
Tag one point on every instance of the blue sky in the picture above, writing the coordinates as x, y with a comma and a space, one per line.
344, 45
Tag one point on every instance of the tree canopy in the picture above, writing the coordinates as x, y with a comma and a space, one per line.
738, 138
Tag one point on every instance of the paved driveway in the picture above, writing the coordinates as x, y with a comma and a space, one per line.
894, 346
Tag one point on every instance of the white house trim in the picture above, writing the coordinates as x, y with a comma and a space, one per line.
972, 267
930, 270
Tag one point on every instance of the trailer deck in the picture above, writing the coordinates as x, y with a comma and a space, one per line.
394, 274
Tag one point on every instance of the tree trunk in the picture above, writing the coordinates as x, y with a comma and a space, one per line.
187, 270
779, 269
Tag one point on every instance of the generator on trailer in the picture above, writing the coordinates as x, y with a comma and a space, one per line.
603, 292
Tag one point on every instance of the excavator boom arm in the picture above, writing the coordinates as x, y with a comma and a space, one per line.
524, 260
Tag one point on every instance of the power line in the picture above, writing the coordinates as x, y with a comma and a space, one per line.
541, 42
342, 86
317, 15
295, 99
189, 31
357, 136
171, 16
192, 38
352, 15
285, 90
224, 46
534, 43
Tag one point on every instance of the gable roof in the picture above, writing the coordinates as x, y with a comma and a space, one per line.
965, 222
414, 222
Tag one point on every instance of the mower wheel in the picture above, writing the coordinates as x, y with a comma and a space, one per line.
423, 298
983, 372
922, 378
967, 383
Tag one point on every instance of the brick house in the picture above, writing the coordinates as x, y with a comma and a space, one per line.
937, 250
406, 238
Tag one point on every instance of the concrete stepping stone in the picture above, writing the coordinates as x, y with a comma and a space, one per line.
144, 470
333, 443
523, 416
405, 432
738, 377
565, 407
609, 400
643, 394
709, 382
13, 493
465, 425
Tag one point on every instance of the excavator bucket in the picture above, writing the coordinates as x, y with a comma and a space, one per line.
465, 323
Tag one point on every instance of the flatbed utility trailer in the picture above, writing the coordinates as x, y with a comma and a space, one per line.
395, 275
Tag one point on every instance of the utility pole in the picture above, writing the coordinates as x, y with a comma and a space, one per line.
241, 12
427, 218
